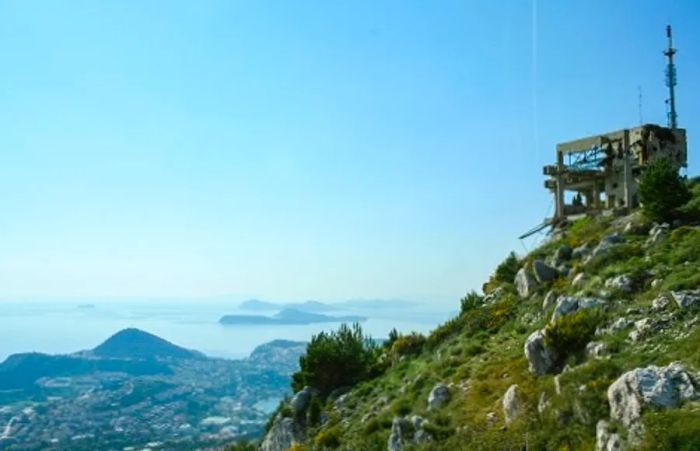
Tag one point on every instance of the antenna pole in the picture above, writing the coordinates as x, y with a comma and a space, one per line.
671, 80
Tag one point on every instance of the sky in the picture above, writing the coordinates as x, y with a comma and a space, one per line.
292, 150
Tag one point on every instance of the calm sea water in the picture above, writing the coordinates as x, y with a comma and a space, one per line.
64, 327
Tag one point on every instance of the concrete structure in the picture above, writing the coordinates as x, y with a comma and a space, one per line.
601, 172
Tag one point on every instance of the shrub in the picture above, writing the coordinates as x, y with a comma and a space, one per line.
672, 429
662, 191
314, 412
241, 446
328, 438
411, 344
505, 272
333, 360
570, 334
470, 301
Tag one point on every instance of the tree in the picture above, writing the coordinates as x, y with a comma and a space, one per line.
337, 359
506, 270
662, 191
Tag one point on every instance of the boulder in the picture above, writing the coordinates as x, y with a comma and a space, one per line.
604, 246
606, 440
300, 401
540, 359
660, 303
438, 396
494, 296
543, 272
578, 280
570, 304
511, 403
596, 349
582, 250
281, 435
643, 328
622, 283
660, 387
657, 233
549, 300
396, 436
525, 283
619, 324
562, 253
687, 299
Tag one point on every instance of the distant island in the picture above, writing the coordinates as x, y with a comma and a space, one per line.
308, 306
289, 316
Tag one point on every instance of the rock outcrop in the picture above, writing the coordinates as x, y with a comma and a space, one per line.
525, 283
281, 435
438, 396
543, 272
661, 387
605, 439
407, 431
540, 359
687, 299
571, 304
511, 403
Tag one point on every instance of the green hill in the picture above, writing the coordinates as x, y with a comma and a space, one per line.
591, 341
136, 344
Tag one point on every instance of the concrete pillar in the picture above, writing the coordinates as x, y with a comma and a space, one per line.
559, 192
627, 169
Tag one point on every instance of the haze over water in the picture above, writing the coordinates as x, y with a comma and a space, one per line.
65, 326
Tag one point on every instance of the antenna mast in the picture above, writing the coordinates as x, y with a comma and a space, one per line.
671, 80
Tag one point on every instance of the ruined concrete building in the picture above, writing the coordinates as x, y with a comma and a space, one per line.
602, 172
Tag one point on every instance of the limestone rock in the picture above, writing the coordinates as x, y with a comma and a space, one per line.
582, 250
407, 431
687, 299
541, 359
622, 282
562, 253
300, 401
395, 437
606, 440
511, 403
281, 435
661, 387
657, 233
543, 272
578, 280
525, 283
596, 349
549, 300
438, 396
660, 303
570, 304
603, 248
642, 329
494, 296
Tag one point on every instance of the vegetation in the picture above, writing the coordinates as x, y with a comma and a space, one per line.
662, 191
479, 355
333, 360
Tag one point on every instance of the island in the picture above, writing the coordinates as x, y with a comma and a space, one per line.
289, 317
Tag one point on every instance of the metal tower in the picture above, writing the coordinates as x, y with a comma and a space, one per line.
671, 80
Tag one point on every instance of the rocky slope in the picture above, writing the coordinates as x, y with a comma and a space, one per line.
592, 341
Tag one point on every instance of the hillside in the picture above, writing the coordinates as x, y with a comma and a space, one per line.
135, 343
589, 342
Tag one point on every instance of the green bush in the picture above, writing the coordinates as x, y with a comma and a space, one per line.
333, 360
672, 429
328, 438
314, 412
662, 191
570, 333
506, 270
470, 301
411, 344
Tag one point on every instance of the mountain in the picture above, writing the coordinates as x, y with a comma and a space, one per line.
279, 353
288, 317
135, 343
255, 304
588, 342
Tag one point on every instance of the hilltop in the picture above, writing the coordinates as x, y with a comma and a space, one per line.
134, 343
588, 342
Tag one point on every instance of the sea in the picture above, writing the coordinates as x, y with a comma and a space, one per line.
63, 327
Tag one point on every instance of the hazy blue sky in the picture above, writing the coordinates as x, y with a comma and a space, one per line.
296, 149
